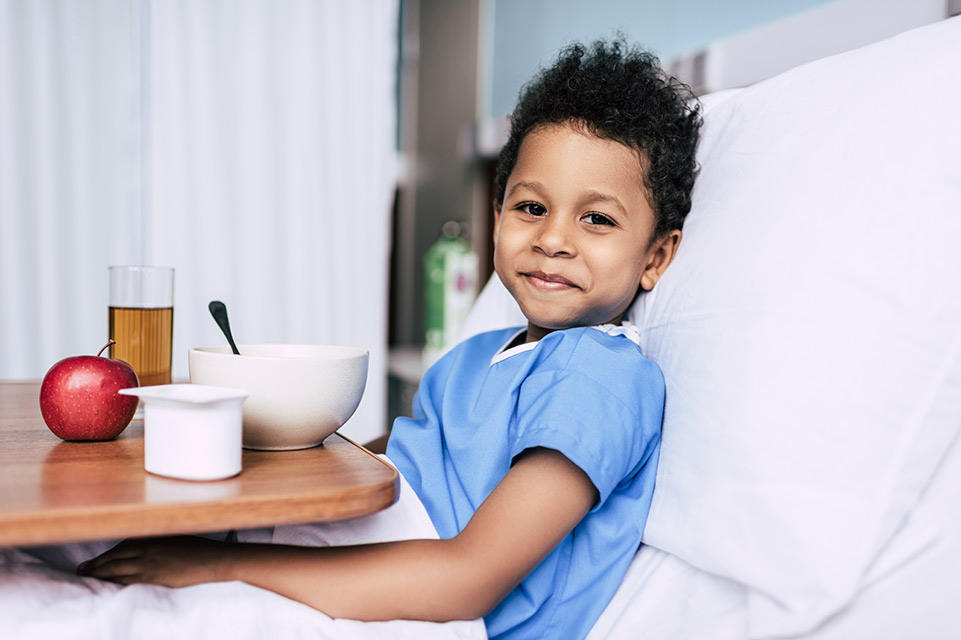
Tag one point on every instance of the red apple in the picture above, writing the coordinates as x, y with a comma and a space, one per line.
79, 399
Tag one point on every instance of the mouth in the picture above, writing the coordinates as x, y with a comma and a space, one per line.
548, 281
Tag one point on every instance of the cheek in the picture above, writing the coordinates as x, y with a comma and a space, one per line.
505, 244
626, 275
499, 257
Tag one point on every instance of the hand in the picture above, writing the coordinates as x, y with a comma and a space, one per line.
172, 562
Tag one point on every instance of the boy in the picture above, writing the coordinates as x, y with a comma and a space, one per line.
533, 450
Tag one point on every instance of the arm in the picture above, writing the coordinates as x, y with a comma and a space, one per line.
531, 510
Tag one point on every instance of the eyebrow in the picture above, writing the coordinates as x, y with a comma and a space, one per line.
536, 187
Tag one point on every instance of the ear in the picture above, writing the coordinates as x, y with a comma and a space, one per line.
497, 222
659, 256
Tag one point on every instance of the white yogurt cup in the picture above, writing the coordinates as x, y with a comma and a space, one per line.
192, 431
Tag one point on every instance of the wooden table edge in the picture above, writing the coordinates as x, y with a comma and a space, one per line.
33, 528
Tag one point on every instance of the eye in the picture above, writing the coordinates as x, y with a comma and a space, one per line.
532, 208
594, 218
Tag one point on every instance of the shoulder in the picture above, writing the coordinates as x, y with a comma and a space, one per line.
606, 372
595, 398
614, 360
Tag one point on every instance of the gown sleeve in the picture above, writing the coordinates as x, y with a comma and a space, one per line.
597, 401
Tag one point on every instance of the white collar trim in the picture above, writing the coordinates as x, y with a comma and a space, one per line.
626, 329
504, 353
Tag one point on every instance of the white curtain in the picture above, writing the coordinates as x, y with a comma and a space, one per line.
247, 143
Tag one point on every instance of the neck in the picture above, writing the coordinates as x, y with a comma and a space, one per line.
534, 333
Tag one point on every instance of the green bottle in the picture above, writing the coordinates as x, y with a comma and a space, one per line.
450, 286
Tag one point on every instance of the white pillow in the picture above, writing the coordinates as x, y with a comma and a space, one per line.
810, 327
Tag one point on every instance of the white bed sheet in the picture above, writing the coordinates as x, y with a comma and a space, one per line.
42, 597
664, 598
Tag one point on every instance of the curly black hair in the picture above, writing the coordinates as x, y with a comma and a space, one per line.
618, 93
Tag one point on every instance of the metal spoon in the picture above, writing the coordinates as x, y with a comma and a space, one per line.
219, 311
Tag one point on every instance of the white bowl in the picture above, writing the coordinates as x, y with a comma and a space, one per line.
299, 393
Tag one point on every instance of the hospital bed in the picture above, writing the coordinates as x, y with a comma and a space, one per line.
809, 484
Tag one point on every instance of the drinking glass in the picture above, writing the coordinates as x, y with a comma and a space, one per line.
141, 320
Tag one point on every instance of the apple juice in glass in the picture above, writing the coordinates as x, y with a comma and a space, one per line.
141, 320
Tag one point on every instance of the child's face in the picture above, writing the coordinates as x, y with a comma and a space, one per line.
572, 242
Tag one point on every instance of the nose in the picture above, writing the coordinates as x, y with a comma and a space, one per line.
555, 237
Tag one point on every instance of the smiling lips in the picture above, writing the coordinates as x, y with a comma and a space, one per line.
548, 281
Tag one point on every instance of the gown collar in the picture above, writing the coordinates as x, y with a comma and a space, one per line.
626, 329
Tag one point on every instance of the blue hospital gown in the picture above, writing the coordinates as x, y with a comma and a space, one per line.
583, 392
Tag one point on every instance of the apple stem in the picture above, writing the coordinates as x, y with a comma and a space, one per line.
105, 346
